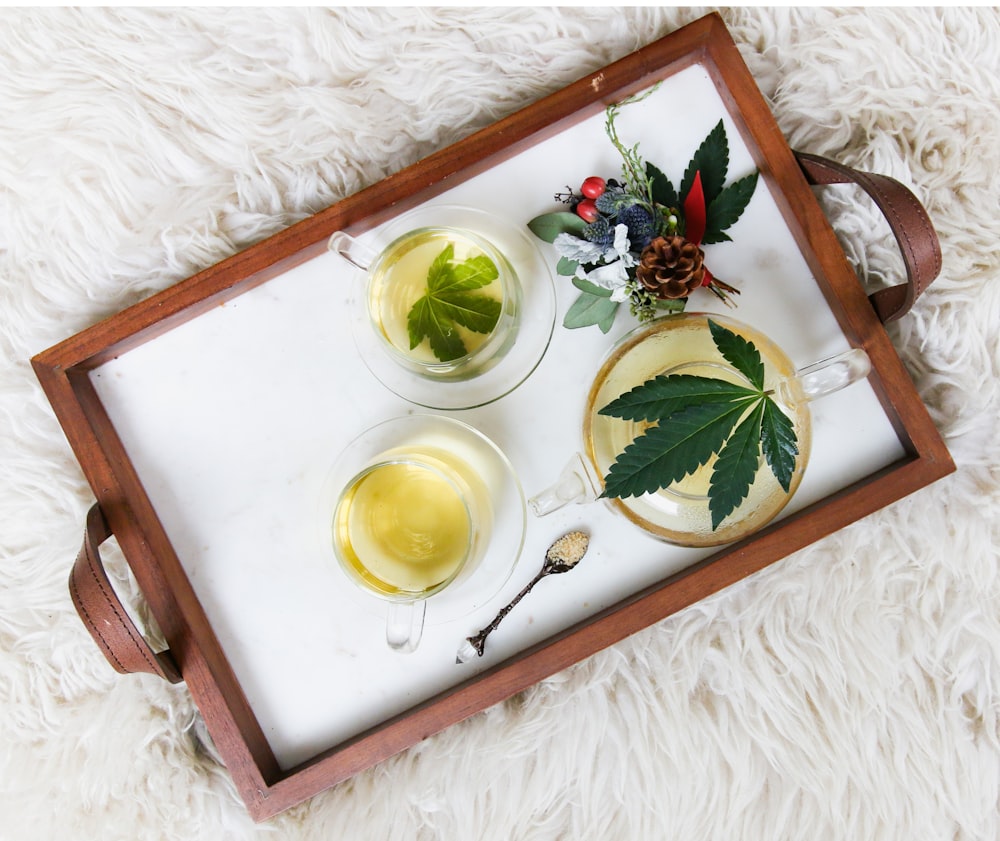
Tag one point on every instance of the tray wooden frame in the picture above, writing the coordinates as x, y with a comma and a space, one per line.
63, 372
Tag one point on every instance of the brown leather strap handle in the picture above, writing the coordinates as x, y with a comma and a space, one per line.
102, 612
908, 221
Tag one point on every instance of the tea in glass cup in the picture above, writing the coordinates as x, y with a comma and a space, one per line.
444, 301
680, 509
406, 525
423, 507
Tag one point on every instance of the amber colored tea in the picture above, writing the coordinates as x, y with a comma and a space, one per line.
680, 512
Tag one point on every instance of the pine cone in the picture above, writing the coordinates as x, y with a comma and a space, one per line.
671, 267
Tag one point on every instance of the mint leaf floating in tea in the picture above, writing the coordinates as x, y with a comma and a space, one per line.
452, 301
697, 418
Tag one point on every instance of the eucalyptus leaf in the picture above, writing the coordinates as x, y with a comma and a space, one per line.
549, 225
566, 267
589, 309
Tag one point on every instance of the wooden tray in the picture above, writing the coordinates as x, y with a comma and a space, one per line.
96, 379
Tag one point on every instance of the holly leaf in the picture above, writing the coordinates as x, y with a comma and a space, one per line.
712, 160
549, 225
592, 306
736, 467
672, 449
665, 394
740, 353
778, 440
727, 208
451, 300
663, 191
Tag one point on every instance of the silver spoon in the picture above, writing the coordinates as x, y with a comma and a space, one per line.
564, 554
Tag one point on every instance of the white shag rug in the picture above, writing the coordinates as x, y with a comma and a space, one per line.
851, 691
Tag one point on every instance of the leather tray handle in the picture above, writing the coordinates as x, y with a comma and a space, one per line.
908, 221
102, 613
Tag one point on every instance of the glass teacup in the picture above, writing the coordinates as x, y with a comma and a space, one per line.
452, 306
444, 301
427, 506
683, 344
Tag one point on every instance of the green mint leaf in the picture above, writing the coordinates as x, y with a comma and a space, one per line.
590, 308
549, 225
779, 442
712, 160
663, 191
739, 353
450, 300
736, 467
446, 276
663, 395
668, 452
424, 321
727, 208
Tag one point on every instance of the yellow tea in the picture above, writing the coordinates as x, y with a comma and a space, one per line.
680, 512
467, 325
406, 526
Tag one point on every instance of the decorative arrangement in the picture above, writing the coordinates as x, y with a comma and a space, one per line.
700, 417
562, 556
451, 299
640, 239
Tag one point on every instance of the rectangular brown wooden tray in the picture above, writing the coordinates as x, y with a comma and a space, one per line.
209, 655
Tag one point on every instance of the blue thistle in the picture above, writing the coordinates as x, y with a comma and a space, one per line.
640, 225
600, 232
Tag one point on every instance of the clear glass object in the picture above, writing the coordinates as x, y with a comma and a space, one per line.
423, 513
683, 344
391, 275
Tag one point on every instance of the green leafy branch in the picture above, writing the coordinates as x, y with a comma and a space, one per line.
451, 301
698, 417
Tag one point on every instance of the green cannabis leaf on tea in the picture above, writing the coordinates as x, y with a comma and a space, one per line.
452, 300
699, 417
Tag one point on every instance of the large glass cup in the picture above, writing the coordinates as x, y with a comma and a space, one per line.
425, 508
683, 344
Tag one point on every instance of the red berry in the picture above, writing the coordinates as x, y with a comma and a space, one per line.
587, 210
592, 187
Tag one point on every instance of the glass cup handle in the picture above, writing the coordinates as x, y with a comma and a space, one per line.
348, 248
577, 483
404, 625
834, 373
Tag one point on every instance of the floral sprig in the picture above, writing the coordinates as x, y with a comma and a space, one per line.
640, 239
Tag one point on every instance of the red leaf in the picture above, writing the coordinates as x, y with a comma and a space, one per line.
694, 211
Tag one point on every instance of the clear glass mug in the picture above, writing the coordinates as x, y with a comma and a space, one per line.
425, 506
467, 342
683, 344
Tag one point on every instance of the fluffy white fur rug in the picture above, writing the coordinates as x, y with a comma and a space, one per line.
851, 691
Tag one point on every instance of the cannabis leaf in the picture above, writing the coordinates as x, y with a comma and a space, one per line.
700, 417
450, 302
